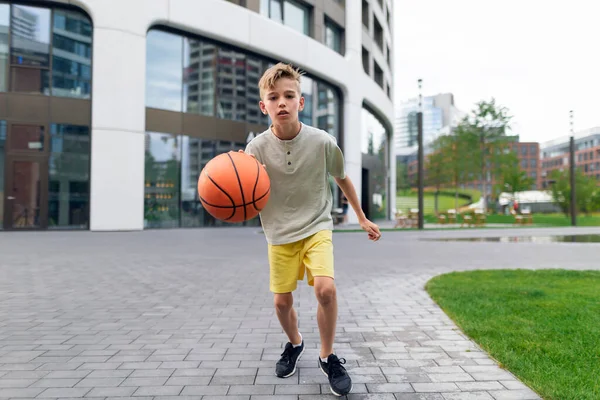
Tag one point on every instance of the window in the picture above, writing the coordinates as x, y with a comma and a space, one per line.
533, 163
307, 88
4, 53
287, 12
68, 176
365, 14
71, 55
375, 160
164, 72
333, 36
30, 49
365, 61
378, 74
161, 187
378, 33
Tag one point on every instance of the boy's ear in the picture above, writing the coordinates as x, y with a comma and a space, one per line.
301, 107
262, 106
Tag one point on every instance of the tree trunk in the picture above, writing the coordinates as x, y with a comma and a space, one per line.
483, 175
437, 192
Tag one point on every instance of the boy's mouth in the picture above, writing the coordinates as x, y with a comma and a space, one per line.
282, 113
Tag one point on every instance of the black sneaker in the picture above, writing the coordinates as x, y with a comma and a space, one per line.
286, 366
339, 381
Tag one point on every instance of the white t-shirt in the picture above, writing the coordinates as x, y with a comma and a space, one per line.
300, 201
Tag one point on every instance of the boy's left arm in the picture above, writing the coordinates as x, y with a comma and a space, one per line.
350, 192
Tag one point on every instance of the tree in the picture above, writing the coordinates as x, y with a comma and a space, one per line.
437, 172
587, 193
512, 179
486, 129
401, 176
458, 148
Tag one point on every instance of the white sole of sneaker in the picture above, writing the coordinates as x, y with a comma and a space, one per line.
295, 366
330, 388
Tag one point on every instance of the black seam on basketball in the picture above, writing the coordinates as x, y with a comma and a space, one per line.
256, 184
237, 205
226, 194
240, 183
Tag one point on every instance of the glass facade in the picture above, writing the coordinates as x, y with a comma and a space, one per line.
333, 36
287, 12
173, 165
50, 51
69, 177
44, 165
194, 75
375, 164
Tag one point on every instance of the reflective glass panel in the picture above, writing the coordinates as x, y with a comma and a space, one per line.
4, 50
161, 187
374, 147
307, 88
196, 153
71, 55
164, 72
296, 17
30, 36
69, 177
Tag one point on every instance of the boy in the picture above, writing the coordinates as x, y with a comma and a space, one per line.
297, 219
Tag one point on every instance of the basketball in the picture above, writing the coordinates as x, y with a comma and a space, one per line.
234, 187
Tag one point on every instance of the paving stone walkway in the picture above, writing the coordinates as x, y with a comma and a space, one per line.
187, 314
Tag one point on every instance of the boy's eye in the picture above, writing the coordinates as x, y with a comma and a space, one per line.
289, 96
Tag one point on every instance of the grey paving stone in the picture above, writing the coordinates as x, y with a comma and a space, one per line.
185, 321
526, 394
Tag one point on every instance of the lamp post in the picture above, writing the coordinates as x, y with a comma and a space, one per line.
572, 171
420, 159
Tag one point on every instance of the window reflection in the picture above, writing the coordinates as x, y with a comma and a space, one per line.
30, 47
374, 147
296, 17
161, 188
307, 89
71, 55
4, 46
69, 179
199, 77
164, 70
196, 153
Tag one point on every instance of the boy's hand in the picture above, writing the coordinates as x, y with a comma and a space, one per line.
371, 228
242, 151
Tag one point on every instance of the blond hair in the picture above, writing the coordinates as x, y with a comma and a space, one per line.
276, 72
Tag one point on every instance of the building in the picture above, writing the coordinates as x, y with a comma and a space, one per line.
555, 154
528, 154
108, 112
438, 112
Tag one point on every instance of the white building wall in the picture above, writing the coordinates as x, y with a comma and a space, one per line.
118, 102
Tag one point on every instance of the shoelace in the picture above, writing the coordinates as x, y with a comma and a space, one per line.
287, 354
336, 369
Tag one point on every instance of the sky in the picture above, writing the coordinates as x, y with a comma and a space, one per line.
538, 58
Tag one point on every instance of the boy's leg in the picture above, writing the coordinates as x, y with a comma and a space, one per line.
326, 312
287, 316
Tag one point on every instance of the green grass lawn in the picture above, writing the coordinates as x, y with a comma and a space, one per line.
406, 202
543, 326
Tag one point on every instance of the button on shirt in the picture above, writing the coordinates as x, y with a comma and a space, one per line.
300, 201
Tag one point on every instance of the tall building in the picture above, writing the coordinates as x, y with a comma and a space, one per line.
555, 154
169, 89
438, 112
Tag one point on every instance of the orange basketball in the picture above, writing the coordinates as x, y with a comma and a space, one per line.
234, 187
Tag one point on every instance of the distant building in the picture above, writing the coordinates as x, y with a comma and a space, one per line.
555, 154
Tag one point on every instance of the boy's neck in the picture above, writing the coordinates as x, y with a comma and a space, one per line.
287, 131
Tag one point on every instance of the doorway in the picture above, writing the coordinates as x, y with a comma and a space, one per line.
26, 178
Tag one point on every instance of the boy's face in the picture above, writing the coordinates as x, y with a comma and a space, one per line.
283, 101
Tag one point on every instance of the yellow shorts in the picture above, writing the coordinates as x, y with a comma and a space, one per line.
289, 261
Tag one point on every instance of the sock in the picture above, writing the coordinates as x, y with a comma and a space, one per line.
299, 344
324, 359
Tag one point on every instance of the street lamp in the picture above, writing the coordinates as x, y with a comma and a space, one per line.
420, 159
572, 171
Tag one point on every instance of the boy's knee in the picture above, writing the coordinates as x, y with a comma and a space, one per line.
283, 302
325, 293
